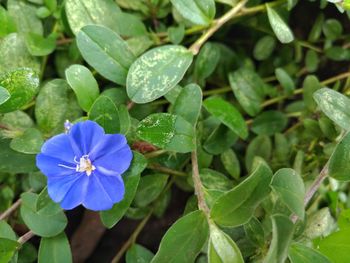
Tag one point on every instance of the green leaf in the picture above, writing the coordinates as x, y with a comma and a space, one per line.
212, 179
231, 163
84, 85
6, 231
29, 142
336, 246
188, 103
7, 24
105, 113
222, 249
167, 131
14, 54
207, 60
22, 85
260, 146
282, 234
310, 85
255, 232
131, 180
8, 248
150, 187
139, 254
15, 162
248, 89
264, 47
227, 114
4, 95
285, 80
237, 206
299, 253
176, 34
332, 29
199, 12
40, 46
55, 250
106, 52
106, 13
269, 123
49, 221
339, 163
156, 72
51, 106
184, 239
279, 27
335, 105
24, 16
289, 187
221, 139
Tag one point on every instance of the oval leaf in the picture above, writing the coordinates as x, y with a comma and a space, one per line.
299, 253
167, 131
184, 239
339, 163
4, 95
106, 52
279, 27
84, 85
227, 114
156, 72
55, 249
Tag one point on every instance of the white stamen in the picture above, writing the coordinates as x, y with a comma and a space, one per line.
83, 165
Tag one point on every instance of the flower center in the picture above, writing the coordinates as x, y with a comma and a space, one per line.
85, 165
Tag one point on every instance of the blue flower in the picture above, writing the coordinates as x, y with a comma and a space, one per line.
85, 166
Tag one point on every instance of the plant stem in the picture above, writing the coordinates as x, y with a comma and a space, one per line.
316, 184
132, 238
202, 205
166, 170
11, 209
155, 153
25, 237
215, 26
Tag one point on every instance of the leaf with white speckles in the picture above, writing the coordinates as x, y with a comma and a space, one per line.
105, 51
335, 105
279, 27
156, 72
167, 131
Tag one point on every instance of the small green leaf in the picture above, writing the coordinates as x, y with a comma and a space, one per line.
176, 34
279, 27
4, 95
260, 146
199, 12
150, 187
231, 163
156, 72
248, 89
212, 179
227, 114
51, 106
139, 254
282, 234
255, 232
269, 123
285, 80
167, 131
105, 113
188, 103
40, 46
84, 85
299, 253
22, 84
339, 163
332, 29
221, 139
184, 239
264, 47
49, 221
131, 180
29, 142
7, 24
106, 52
8, 248
237, 206
289, 186
55, 250
310, 85
207, 60
222, 249
335, 105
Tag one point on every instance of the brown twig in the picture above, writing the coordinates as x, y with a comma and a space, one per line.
11, 209
25, 237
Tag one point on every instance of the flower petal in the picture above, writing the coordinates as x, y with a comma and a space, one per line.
58, 186
117, 162
113, 185
76, 194
84, 136
51, 166
59, 147
108, 144
96, 197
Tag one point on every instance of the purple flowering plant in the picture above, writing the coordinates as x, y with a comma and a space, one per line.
84, 166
